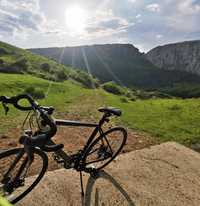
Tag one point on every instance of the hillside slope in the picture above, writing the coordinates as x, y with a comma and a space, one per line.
183, 56
163, 119
20, 61
163, 175
122, 63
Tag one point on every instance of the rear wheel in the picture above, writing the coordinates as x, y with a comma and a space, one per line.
105, 148
18, 176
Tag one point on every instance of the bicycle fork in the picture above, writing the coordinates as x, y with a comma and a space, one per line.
10, 183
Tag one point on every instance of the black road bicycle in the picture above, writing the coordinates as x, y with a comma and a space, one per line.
22, 168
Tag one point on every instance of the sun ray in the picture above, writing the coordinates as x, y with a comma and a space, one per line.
106, 66
87, 65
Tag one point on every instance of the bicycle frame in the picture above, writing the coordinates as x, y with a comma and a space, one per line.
61, 153
97, 128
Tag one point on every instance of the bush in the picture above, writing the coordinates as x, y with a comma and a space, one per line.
113, 88
183, 90
45, 67
11, 69
133, 99
175, 107
1, 62
20, 65
61, 75
124, 100
35, 93
86, 79
3, 51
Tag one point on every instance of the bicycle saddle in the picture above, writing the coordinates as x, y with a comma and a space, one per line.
110, 110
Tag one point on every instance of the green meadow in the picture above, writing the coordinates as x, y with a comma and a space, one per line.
164, 119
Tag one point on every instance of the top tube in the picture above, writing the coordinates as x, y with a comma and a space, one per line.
61, 122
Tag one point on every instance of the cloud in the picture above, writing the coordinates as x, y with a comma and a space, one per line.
132, 1
183, 16
20, 16
138, 16
153, 7
105, 23
159, 36
140, 22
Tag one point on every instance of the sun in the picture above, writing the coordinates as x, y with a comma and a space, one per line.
76, 19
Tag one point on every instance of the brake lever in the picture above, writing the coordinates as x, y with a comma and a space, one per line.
6, 108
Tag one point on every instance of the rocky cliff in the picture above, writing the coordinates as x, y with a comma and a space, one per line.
122, 63
184, 56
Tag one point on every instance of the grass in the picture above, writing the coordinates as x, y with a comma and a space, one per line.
16, 60
176, 120
164, 119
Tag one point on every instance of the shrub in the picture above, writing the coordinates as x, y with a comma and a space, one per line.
61, 75
175, 107
11, 69
124, 100
113, 88
45, 67
1, 62
3, 51
183, 90
133, 99
84, 78
20, 65
35, 93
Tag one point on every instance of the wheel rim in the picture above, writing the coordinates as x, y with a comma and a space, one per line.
33, 173
99, 156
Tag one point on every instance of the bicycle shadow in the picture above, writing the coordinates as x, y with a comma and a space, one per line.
87, 200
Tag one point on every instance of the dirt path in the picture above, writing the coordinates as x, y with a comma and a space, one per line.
163, 175
74, 138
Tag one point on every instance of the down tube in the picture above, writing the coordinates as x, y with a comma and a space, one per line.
91, 138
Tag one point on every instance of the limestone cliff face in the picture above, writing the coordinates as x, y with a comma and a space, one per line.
184, 56
122, 63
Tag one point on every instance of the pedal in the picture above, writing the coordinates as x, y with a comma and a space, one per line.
20, 182
58, 159
68, 165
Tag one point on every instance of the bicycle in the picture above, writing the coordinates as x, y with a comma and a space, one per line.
98, 152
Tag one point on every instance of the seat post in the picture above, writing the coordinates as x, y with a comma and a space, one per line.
104, 118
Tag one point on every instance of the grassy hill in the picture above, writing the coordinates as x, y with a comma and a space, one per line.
68, 91
20, 61
164, 119
122, 63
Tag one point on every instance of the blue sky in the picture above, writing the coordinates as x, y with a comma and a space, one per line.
143, 23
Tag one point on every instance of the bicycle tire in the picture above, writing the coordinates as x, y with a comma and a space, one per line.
90, 148
15, 151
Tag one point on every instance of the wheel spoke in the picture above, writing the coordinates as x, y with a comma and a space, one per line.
111, 143
18, 184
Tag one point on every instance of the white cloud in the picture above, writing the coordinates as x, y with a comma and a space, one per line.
153, 7
105, 23
159, 36
184, 17
22, 17
188, 7
132, 1
122, 40
138, 16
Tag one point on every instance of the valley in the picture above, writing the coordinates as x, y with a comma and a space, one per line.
152, 117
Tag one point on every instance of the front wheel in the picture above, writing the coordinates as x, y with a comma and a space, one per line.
105, 148
19, 175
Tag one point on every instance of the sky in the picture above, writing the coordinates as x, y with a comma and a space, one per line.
54, 23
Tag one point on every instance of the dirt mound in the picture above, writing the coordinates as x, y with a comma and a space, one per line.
163, 175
